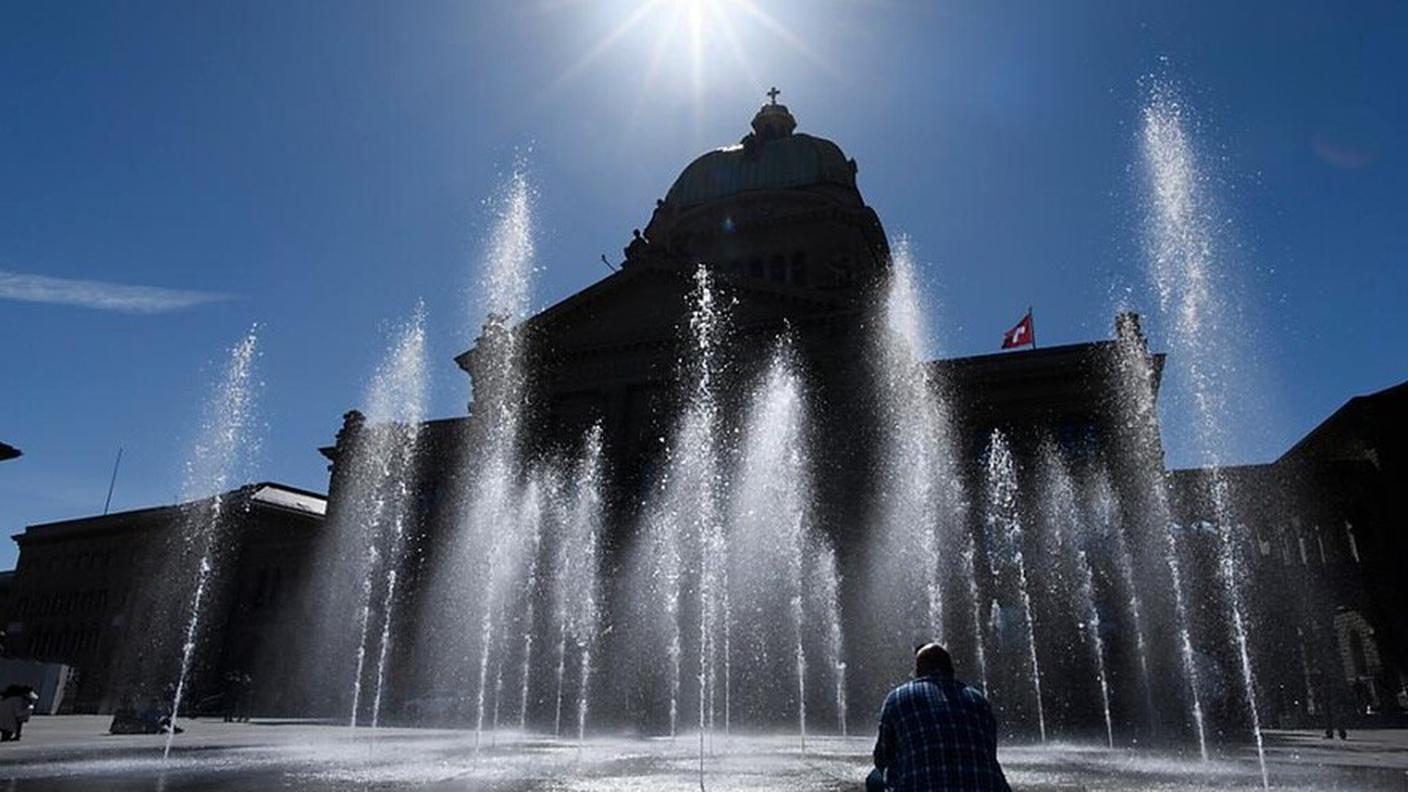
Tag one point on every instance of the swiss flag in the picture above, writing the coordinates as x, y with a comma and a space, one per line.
1020, 335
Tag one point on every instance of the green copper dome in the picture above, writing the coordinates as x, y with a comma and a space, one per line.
771, 158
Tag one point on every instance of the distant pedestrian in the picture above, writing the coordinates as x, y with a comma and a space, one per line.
16, 705
1329, 705
936, 733
236, 702
245, 686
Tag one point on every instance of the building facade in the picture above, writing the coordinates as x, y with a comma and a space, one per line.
1322, 549
99, 594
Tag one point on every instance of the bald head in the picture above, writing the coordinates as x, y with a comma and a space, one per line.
931, 659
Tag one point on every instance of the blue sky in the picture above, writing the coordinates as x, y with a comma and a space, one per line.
318, 167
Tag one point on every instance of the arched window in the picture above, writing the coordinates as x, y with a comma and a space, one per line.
1357, 655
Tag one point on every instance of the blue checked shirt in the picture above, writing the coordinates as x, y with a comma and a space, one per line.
938, 734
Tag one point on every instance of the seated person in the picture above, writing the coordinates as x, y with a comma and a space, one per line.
936, 733
125, 719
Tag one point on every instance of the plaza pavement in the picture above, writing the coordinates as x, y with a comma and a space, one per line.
74, 753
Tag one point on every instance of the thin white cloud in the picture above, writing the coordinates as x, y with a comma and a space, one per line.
100, 295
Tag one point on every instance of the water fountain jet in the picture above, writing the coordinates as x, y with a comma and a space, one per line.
1182, 265
213, 460
1005, 527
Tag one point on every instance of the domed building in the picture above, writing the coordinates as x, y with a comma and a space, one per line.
793, 252
779, 222
780, 206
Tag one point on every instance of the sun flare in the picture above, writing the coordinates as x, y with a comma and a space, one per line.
694, 42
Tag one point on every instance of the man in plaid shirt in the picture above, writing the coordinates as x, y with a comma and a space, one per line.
936, 733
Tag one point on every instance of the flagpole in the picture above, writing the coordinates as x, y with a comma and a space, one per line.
112, 482
1031, 320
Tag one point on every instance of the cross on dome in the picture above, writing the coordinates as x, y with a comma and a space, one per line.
773, 121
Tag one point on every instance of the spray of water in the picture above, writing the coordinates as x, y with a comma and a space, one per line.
1183, 265
485, 636
388, 602
829, 595
561, 673
1103, 511
398, 397
663, 567
967, 558
669, 576
497, 519
532, 522
770, 533
683, 524
1071, 537
701, 454
1135, 380
726, 609
561, 597
585, 527
1185, 638
493, 542
380, 484
1005, 527
498, 686
917, 466
217, 453
1097, 641
373, 555
506, 280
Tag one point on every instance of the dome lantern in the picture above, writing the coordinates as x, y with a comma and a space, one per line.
773, 120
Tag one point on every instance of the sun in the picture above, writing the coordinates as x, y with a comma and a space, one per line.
697, 40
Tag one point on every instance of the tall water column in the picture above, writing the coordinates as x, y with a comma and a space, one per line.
769, 541
1184, 255
222, 445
